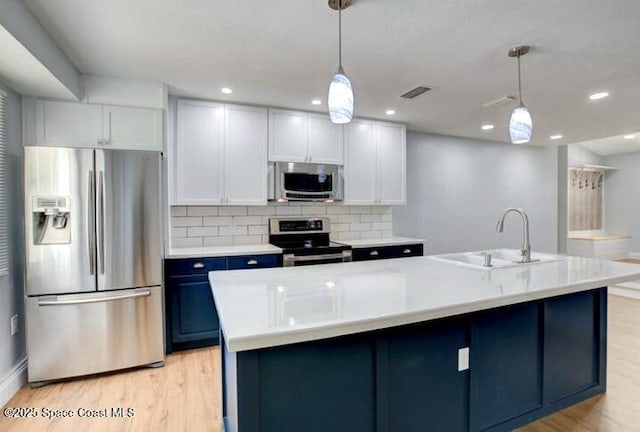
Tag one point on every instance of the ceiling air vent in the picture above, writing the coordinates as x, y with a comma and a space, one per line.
415, 92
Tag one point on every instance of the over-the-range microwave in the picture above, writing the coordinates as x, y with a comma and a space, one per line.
293, 181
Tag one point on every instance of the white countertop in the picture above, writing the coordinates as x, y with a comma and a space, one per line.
278, 306
220, 251
389, 241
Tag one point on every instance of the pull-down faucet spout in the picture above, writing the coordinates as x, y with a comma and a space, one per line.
525, 251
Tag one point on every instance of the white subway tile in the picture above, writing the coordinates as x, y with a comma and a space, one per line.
232, 211
247, 240
339, 227
371, 235
265, 220
333, 236
202, 211
314, 210
180, 221
178, 232
247, 220
218, 241
217, 220
288, 211
381, 209
265, 238
349, 235
348, 218
359, 210
178, 211
202, 231
186, 242
387, 217
366, 226
261, 211
387, 234
337, 209
233, 230
371, 218
332, 218
382, 226
258, 229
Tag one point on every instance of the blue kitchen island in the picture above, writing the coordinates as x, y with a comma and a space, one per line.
414, 344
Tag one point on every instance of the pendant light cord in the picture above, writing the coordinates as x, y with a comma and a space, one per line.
519, 83
340, 34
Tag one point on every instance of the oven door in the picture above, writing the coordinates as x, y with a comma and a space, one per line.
292, 260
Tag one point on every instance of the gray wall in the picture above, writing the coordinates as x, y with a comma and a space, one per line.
563, 197
622, 197
578, 155
12, 348
457, 189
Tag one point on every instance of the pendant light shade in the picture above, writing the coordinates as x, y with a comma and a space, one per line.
340, 99
520, 124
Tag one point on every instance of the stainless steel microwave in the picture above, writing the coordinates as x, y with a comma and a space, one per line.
293, 181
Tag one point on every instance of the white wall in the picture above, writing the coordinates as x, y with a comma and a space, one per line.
12, 348
578, 155
457, 189
622, 197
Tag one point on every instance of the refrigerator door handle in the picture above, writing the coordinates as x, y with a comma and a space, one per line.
101, 216
91, 228
44, 302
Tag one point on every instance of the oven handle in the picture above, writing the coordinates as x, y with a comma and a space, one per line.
290, 258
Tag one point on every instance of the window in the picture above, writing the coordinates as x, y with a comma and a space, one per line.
4, 238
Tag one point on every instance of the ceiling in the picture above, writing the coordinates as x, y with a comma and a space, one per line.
282, 53
614, 145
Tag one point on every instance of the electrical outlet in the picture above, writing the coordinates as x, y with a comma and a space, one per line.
15, 326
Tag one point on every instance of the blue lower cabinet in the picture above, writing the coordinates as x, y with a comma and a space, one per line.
386, 252
191, 318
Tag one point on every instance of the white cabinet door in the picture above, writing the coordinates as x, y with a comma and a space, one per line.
199, 153
287, 136
133, 128
245, 155
325, 140
67, 124
360, 162
391, 176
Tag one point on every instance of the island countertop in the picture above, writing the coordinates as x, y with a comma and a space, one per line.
279, 306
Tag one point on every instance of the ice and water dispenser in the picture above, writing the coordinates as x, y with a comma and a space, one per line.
51, 220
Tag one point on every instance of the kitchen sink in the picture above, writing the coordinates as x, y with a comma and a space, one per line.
500, 258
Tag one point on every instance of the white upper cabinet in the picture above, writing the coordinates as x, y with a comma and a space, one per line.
375, 163
245, 155
220, 154
296, 136
199, 153
132, 128
68, 124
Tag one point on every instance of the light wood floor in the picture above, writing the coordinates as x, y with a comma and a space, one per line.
185, 394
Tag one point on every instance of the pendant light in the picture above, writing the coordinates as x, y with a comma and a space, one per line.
520, 125
340, 98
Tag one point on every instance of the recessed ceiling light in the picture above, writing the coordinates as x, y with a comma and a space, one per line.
555, 137
226, 90
390, 112
600, 95
487, 127
316, 102
629, 136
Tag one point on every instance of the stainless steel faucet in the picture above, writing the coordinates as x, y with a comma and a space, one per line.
525, 252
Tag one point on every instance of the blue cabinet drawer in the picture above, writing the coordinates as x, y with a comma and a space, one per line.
193, 266
384, 252
254, 261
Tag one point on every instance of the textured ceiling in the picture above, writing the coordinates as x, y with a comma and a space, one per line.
282, 53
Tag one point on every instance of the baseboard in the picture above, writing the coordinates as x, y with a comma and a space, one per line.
634, 255
12, 382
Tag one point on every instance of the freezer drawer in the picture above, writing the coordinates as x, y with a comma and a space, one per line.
81, 334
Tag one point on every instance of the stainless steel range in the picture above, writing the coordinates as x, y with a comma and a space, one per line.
305, 241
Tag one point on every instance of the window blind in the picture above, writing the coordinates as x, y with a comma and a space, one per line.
4, 238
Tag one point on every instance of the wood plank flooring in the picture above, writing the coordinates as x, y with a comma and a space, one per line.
185, 394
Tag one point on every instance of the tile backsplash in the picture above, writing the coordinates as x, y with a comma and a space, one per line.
193, 226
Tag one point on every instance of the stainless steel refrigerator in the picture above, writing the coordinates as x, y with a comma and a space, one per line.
93, 261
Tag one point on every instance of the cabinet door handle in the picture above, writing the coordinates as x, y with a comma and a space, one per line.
198, 265
406, 251
373, 253
252, 262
